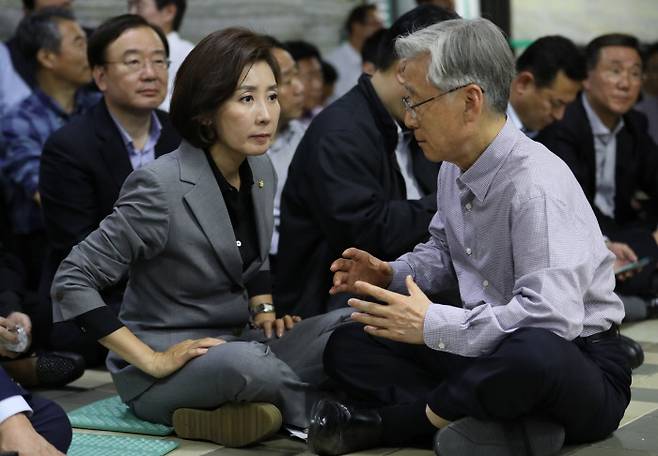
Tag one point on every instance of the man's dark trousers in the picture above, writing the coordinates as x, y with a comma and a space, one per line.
583, 384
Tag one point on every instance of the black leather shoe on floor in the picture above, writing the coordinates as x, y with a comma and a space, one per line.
471, 437
338, 428
59, 368
633, 351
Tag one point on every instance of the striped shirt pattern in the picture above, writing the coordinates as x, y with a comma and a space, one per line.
516, 234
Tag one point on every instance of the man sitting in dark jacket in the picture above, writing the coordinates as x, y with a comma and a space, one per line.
606, 144
83, 165
358, 178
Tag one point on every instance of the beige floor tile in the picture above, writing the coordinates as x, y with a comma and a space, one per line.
383, 451
193, 448
595, 451
646, 331
650, 358
92, 378
412, 452
637, 409
645, 381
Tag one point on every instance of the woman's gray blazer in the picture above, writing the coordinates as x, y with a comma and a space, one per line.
170, 230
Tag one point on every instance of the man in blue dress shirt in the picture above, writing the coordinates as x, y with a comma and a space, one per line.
56, 43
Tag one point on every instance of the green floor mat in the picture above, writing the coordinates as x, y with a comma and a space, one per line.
118, 445
113, 415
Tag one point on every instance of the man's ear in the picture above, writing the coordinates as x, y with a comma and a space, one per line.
473, 102
524, 81
46, 58
586, 82
100, 77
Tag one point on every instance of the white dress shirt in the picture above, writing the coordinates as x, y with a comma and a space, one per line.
178, 50
281, 153
605, 147
516, 120
403, 156
347, 62
13, 405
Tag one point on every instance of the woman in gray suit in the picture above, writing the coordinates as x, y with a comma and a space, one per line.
198, 343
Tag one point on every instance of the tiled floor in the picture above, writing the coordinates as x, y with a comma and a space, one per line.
638, 435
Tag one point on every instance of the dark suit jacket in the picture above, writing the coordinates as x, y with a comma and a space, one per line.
636, 165
83, 166
8, 387
345, 189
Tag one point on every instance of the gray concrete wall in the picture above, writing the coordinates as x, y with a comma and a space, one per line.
318, 21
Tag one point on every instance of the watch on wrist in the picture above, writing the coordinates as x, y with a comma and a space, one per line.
263, 307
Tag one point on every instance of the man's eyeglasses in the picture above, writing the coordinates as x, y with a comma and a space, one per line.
411, 108
616, 74
135, 64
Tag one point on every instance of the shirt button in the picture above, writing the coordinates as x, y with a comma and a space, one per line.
485, 283
442, 345
238, 243
468, 251
468, 206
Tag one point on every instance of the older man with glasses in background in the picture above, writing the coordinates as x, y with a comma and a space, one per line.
606, 144
168, 15
532, 356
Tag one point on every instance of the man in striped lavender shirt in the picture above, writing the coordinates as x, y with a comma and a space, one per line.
531, 357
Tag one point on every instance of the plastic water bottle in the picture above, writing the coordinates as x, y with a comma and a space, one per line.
21, 342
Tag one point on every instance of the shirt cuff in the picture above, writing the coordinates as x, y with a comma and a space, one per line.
401, 270
99, 322
13, 405
441, 327
260, 284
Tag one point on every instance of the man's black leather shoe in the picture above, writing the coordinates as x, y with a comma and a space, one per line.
338, 428
526, 437
633, 351
47, 369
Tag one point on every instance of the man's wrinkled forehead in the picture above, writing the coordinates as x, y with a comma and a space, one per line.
412, 72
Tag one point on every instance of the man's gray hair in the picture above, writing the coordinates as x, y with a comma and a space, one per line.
40, 30
464, 51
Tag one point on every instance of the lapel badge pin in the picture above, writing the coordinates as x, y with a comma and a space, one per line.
261, 183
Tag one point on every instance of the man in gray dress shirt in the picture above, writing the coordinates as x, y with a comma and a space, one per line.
531, 357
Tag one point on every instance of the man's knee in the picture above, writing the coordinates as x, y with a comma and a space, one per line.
531, 352
342, 341
526, 366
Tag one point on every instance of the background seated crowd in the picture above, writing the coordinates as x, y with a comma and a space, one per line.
106, 135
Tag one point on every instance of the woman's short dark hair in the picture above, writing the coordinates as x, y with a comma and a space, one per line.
209, 76
110, 30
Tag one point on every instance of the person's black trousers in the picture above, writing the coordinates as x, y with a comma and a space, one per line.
583, 384
644, 282
51, 422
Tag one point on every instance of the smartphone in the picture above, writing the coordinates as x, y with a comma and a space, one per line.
639, 264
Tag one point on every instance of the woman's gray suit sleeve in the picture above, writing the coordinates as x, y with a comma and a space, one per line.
136, 228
